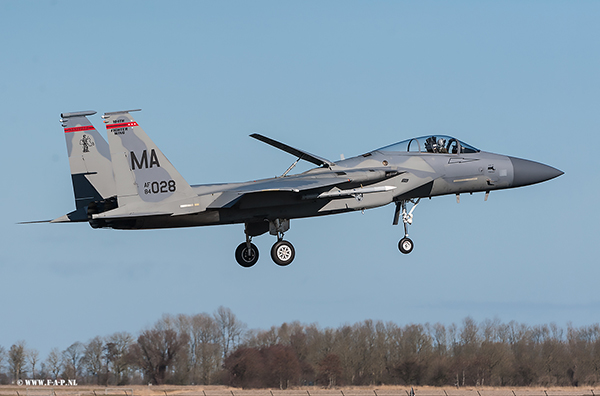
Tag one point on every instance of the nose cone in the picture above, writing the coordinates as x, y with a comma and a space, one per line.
529, 172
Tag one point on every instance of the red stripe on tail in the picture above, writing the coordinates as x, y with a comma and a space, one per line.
79, 128
122, 125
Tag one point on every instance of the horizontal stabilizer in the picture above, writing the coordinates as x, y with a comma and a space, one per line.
301, 154
226, 200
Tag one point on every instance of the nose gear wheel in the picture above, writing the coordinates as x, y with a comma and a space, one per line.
406, 245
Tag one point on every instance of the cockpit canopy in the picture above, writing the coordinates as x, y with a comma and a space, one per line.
441, 144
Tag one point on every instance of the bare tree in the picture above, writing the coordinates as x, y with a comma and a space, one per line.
33, 357
186, 349
231, 329
466, 345
2, 357
156, 351
440, 338
72, 360
265, 338
92, 358
282, 368
362, 351
16, 359
54, 362
204, 338
583, 353
245, 368
330, 370
117, 349
556, 365
415, 349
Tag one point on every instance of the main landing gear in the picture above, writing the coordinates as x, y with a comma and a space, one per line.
406, 244
282, 252
247, 253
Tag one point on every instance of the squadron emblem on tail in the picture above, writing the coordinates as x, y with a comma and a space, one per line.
86, 142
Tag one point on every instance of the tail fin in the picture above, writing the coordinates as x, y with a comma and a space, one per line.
89, 159
142, 172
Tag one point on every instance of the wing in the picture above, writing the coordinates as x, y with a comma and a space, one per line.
403, 184
227, 199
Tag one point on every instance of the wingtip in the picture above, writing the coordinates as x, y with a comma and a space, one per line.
258, 136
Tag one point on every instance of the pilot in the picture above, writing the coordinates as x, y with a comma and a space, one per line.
431, 144
442, 146
454, 145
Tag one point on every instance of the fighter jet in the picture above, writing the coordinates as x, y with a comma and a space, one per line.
129, 184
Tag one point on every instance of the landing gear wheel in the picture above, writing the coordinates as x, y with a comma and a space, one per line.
246, 257
406, 245
283, 253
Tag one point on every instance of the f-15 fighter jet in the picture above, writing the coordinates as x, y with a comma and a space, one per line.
129, 184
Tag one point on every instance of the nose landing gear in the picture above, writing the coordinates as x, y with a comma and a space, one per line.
406, 244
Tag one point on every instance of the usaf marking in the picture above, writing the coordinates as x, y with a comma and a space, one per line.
161, 187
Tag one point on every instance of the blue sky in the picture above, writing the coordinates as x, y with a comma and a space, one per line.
335, 77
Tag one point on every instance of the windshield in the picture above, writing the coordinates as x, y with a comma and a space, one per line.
441, 144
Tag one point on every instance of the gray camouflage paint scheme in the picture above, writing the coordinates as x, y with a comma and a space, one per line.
130, 184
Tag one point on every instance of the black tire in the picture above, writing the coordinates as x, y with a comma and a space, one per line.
283, 253
246, 257
406, 245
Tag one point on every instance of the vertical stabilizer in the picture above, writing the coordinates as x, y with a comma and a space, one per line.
143, 174
89, 160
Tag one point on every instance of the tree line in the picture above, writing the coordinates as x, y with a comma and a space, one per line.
219, 349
